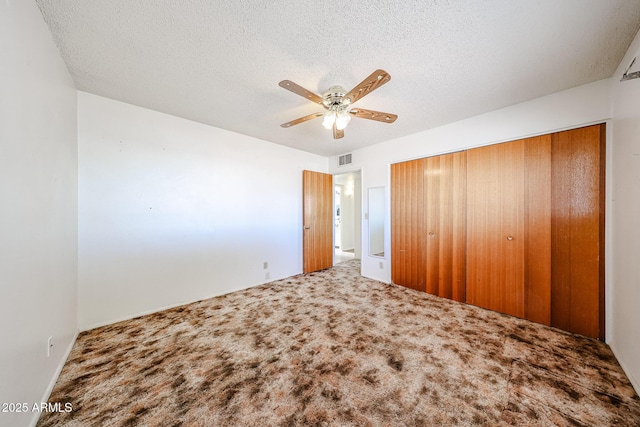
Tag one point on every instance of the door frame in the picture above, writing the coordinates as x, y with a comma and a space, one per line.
357, 188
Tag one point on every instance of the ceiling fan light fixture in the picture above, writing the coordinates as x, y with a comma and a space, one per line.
342, 120
329, 119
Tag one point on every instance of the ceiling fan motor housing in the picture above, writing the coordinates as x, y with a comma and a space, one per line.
334, 98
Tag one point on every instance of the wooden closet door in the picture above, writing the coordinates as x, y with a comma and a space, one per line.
445, 219
537, 235
495, 230
577, 223
407, 224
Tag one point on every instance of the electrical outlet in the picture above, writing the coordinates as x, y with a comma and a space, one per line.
49, 345
381, 265
267, 276
265, 265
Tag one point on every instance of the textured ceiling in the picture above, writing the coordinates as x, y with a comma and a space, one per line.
219, 62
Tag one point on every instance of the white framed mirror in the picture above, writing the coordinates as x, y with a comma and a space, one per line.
376, 211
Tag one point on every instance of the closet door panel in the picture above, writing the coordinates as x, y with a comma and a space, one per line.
577, 225
512, 236
445, 219
407, 224
459, 230
458, 214
538, 229
495, 227
435, 259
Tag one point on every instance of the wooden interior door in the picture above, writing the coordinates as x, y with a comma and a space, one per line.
317, 211
495, 227
577, 225
407, 224
445, 225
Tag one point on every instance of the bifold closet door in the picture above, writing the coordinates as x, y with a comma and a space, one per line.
537, 233
495, 227
534, 228
578, 191
407, 224
445, 219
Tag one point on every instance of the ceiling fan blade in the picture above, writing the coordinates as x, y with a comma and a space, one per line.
373, 115
368, 85
337, 133
299, 90
301, 120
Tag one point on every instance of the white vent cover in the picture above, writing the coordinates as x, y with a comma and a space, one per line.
344, 160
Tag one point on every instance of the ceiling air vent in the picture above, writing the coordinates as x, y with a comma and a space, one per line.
344, 160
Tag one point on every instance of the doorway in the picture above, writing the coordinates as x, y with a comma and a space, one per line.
347, 214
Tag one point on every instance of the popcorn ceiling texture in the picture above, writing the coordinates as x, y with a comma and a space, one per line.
219, 62
334, 348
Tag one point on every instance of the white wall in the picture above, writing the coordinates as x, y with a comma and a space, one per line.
346, 184
376, 218
337, 202
625, 337
38, 208
172, 211
347, 217
357, 215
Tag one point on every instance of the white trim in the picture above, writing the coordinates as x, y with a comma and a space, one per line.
608, 236
606, 120
167, 307
54, 380
635, 383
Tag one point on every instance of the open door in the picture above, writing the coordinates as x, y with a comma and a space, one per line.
317, 217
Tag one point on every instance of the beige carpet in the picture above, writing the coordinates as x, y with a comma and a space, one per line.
335, 349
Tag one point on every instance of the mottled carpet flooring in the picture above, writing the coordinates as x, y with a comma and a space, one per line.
335, 349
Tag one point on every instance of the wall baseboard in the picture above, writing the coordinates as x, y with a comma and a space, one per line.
635, 383
52, 383
168, 307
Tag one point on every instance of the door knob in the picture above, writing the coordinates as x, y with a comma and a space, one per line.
306, 227
431, 233
509, 238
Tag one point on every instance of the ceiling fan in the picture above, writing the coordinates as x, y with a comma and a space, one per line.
337, 103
